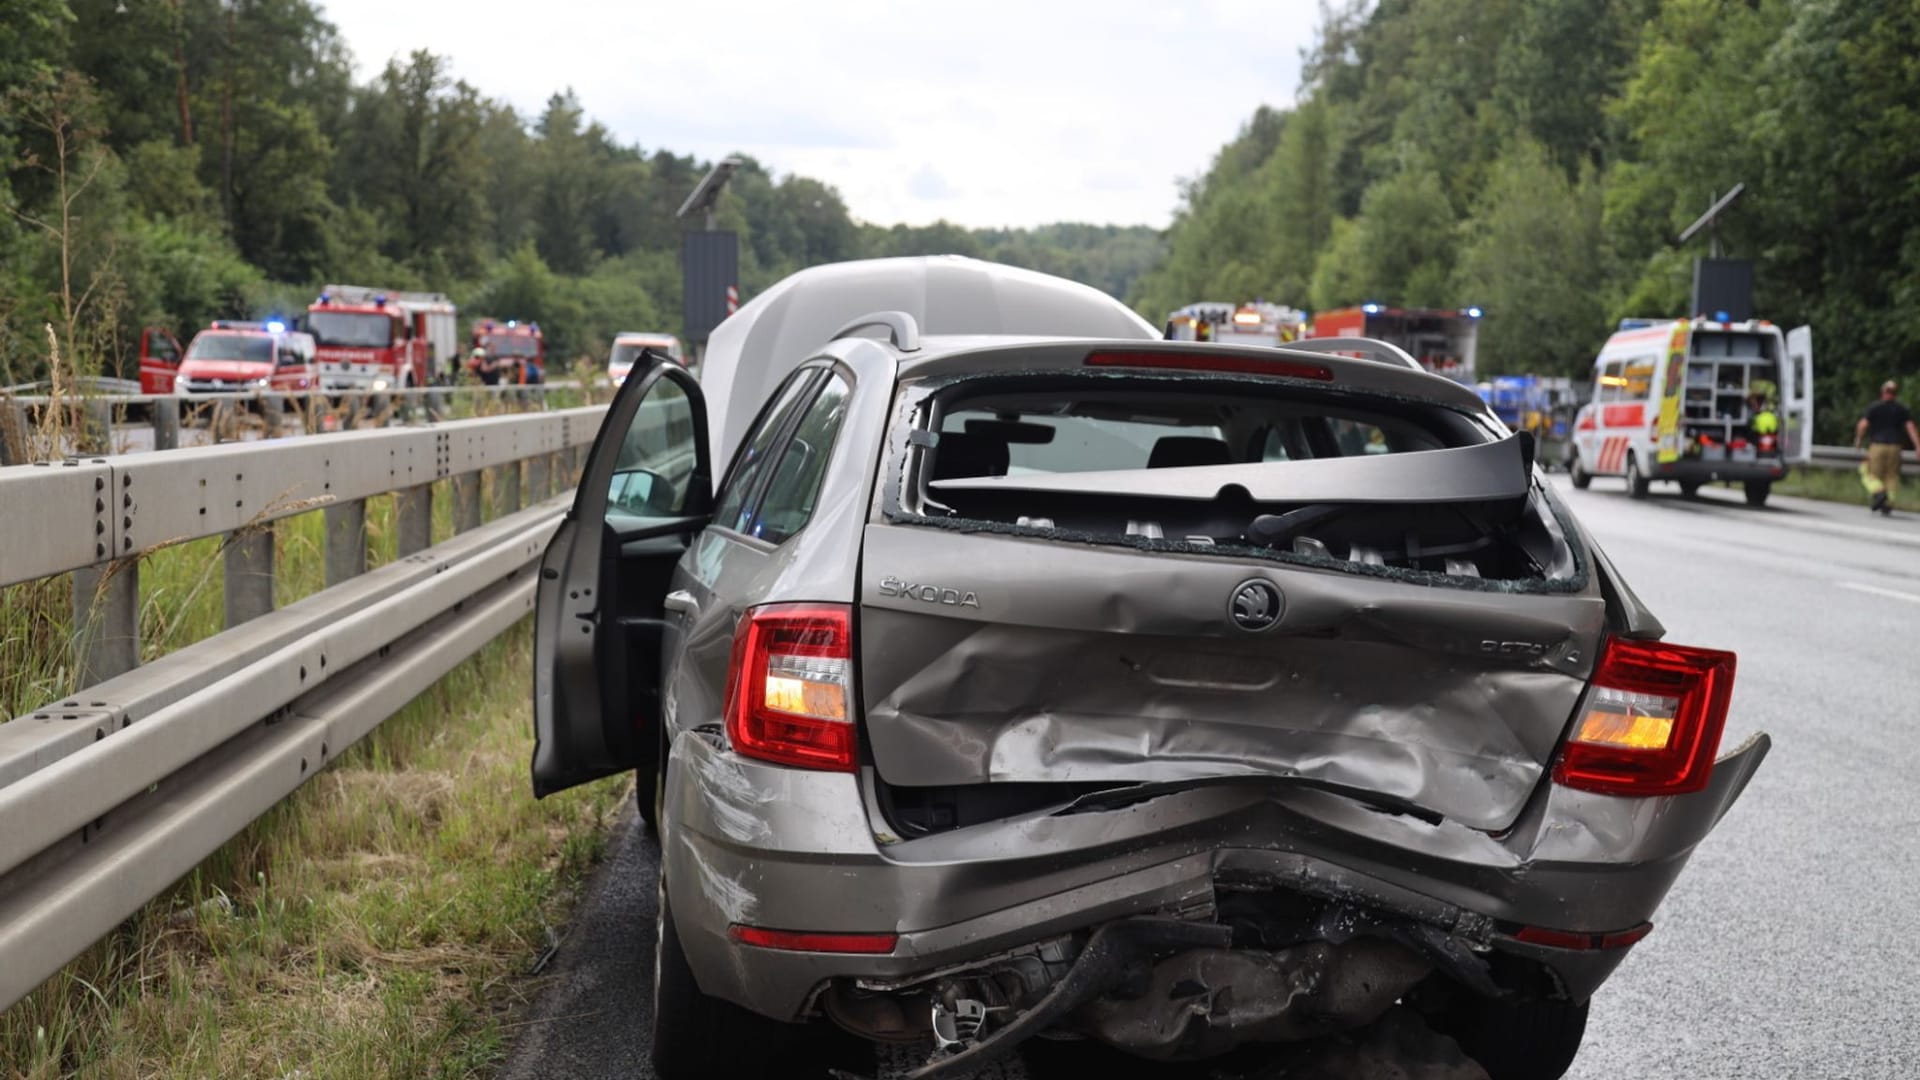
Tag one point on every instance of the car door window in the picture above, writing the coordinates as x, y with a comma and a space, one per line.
657, 457
1610, 383
788, 502
749, 465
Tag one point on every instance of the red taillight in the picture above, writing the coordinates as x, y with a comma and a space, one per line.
802, 941
1246, 365
1652, 720
790, 695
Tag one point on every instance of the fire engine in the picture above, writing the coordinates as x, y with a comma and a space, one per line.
1442, 340
1258, 323
1697, 400
521, 344
373, 339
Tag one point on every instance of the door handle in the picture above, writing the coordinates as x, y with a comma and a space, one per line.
682, 601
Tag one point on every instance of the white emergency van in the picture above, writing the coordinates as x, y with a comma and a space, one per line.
1675, 400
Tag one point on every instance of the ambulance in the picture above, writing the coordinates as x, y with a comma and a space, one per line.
1695, 401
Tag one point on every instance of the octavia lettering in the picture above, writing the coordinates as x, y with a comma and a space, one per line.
929, 594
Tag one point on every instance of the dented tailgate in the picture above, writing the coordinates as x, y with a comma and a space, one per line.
989, 658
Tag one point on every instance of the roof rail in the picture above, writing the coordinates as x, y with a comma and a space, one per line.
1371, 349
901, 328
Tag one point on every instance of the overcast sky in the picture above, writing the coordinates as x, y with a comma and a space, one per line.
983, 112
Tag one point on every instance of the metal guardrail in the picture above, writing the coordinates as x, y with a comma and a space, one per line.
93, 419
1846, 457
109, 796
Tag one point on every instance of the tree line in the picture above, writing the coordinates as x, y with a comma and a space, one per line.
1538, 158
168, 162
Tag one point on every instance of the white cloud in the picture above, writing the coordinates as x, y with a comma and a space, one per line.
985, 112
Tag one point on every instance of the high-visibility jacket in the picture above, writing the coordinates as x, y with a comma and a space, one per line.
1765, 422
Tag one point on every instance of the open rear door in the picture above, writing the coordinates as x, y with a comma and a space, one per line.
159, 361
1799, 395
645, 492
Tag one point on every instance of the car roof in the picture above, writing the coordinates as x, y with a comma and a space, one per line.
751, 351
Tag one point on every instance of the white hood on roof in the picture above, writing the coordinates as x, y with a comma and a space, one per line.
756, 347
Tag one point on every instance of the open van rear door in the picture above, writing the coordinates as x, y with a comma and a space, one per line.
159, 360
645, 491
1798, 402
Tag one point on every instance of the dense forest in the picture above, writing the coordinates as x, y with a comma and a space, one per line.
1538, 158
172, 161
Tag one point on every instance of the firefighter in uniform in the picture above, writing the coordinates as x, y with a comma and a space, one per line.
1765, 422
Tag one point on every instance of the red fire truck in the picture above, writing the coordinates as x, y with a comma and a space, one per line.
517, 351
1442, 340
374, 339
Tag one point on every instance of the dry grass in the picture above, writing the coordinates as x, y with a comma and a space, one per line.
376, 924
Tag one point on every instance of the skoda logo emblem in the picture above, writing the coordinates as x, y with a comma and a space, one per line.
1256, 605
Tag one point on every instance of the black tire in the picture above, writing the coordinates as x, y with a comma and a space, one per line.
1581, 477
696, 1037
1520, 1040
1757, 492
1690, 488
649, 789
1637, 482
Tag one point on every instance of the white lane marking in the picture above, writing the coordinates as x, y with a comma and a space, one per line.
1911, 598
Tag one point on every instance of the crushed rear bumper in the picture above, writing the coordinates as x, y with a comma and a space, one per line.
759, 845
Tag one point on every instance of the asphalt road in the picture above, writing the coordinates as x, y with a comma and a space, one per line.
1791, 945
1790, 948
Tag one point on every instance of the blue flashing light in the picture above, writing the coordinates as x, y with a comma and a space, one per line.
325, 298
534, 326
511, 323
1372, 309
380, 300
276, 327
1721, 316
1473, 313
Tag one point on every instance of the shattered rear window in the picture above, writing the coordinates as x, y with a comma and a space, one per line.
1084, 458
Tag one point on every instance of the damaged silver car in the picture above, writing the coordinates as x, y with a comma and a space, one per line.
1025, 675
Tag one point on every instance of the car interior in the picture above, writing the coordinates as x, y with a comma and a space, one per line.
999, 429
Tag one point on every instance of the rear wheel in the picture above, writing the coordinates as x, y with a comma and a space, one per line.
1757, 492
1637, 482
696, 1037
1520, 1040
1578, 471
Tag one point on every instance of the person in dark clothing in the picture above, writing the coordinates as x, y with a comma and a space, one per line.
1886, 427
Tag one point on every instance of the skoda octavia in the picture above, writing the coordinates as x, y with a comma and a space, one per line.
993, 669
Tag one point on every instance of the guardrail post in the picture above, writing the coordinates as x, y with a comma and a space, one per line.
539, 477
466, 502
15, 447
96, 435
346, 540
507, 487
106, 620
166, 423
413, 515
249, 573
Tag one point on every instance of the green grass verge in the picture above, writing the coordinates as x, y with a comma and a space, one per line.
1832, 485
378, 923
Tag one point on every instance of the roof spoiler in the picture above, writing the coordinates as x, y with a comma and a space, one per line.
1380, 352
